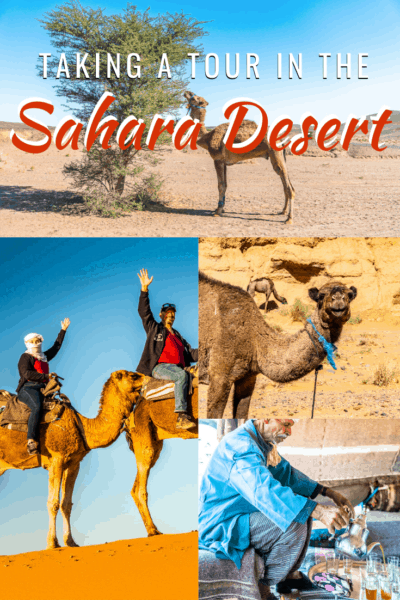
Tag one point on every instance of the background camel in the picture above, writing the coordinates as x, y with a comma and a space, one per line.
212, 141
265, 286
65, 442
147, 428
236, 343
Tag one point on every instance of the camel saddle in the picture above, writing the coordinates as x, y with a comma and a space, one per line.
14, 414
163, 389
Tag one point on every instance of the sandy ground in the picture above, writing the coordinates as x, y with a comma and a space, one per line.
158, 568
347, 392
337, 194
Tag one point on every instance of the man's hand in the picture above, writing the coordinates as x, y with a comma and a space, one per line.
340, 501
65, 324
331, 516
144, 279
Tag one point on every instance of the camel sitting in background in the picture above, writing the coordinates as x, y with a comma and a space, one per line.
266, 286
65, 442
236, 343
212, 141
148, 426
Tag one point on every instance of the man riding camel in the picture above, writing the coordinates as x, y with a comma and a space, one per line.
166, 353
251, 496
33, 369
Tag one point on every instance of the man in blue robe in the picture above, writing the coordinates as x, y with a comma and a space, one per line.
251, 496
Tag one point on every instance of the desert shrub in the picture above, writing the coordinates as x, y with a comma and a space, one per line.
97, 178
355, 320
299, 311
384, 375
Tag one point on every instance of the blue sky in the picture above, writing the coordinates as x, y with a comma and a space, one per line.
94, 282
264, 28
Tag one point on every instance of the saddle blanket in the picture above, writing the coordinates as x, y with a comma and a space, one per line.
15, 414
163, 389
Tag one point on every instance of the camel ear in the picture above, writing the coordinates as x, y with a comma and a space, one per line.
119, 375
353, 293
313, 293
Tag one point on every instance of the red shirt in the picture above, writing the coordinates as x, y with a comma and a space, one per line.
173, 351
41, 366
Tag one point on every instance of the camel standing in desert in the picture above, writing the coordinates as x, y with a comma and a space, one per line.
212, 141
266, 286
147, 428
66, 441
236, 343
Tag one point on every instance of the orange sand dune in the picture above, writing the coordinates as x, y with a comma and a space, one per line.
158, 568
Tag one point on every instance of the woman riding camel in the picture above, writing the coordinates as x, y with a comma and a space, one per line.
34, 374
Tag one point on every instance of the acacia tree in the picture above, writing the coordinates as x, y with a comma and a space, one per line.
76, 29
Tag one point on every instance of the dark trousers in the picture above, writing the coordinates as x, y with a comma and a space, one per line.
30, 395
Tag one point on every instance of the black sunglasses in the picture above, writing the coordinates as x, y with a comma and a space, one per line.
168, 305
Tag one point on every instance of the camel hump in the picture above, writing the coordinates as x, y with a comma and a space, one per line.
217, 135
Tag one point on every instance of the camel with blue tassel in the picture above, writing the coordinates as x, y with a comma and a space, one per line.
236, 344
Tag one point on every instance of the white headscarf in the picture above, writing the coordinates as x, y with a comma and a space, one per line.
35, 349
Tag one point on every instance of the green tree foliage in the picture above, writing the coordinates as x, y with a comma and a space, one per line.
76, 29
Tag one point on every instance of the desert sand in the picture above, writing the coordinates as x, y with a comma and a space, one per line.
369, 342
337, 193
158, 568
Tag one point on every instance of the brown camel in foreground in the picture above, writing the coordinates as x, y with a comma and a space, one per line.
236, 343
147, 428
212, 141
266, 286
65, 442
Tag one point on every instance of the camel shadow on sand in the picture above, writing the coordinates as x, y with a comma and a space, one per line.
30, 199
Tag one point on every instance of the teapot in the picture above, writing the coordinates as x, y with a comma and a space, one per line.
353, 542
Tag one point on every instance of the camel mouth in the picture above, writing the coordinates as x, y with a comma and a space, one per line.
338, 312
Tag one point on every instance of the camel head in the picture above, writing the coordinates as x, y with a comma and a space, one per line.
333, 302
195, 101
128, 383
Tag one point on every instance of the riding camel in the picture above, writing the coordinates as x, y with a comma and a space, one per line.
213, 142
266, 286
148, 426
65, 442
236, 343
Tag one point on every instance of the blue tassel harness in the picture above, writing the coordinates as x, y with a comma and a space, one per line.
327, 346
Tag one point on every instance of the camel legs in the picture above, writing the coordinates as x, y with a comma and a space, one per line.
266, 301
147, 452
67, 488
53, 502
243, 392
218, 394
279, 165
220, 168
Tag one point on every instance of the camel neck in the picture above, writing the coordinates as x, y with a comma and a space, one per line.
104, 429
286, 357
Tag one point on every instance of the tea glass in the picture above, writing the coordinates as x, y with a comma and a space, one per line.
332, 563
385, 586
371, 586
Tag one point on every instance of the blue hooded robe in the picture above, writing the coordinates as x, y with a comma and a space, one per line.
237, 482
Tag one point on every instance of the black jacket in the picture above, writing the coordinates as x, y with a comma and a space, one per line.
26, 363
156, 336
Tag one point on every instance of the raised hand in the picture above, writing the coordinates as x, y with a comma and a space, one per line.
144, 279
65, 324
